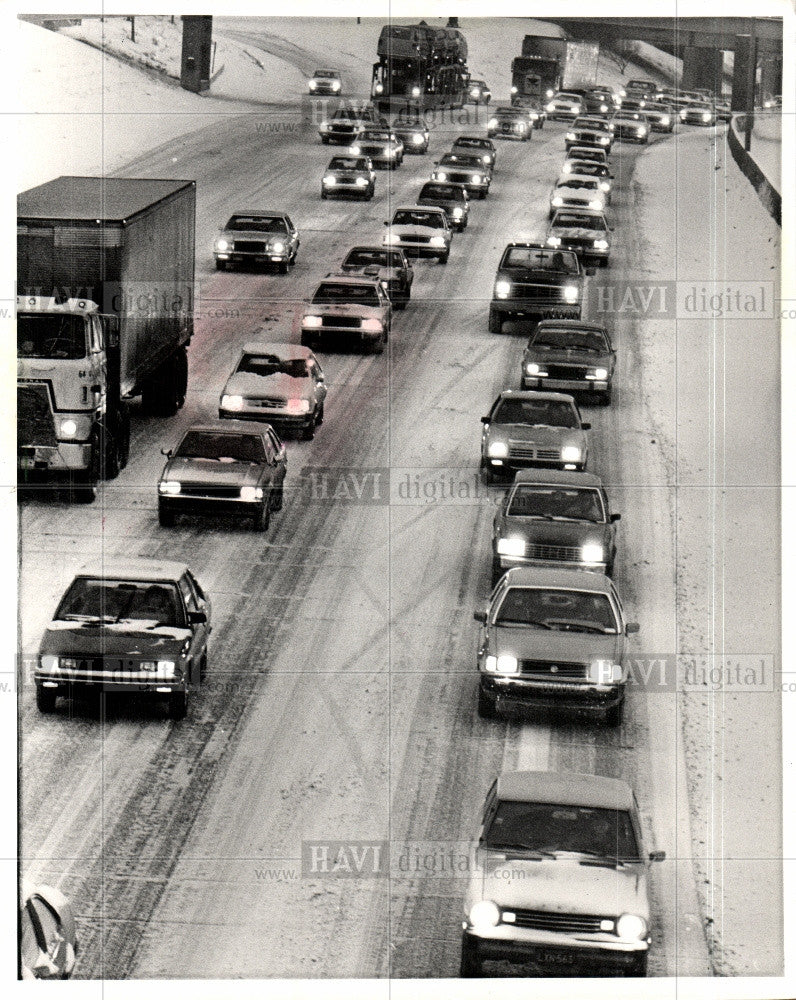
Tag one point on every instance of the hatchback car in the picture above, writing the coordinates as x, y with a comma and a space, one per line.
421, 230
553, 638
347, 176
478, 93
576, 191
466, 169
585, 232
509, 123
559, 878
325, 81
381, 146
570, 356
258, 237
413, 133
451, 197
282, 384
47, 933
230, 467
132, 626
564, 104
474, 145
354, 309
556, 519
532, 281
542, 429
390, 266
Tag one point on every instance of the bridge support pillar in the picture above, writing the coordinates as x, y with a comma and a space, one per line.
702, 68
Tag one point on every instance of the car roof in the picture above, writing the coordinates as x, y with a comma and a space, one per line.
422, 208
164, 570
474, 138
562, 579
533, 394
565, 788
569, 209
373, 247
350, 279
559, 477
567, 324
226, 427
285, 351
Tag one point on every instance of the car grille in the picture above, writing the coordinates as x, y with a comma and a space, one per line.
568, 372
539, 293
415, 239
559, 553
563, 923
461, 177
373, 150
545, 669
578, 242
527, 449
267, 402
349, 322
210, 492
35, 423
249, 246
346, 180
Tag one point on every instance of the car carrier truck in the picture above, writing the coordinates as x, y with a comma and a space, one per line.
105, 289
548, 64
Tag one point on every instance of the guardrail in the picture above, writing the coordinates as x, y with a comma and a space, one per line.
770, 197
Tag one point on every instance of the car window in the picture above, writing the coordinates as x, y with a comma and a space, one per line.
50, 933
331, 293
347, 163
29, 943
556, 502
258, 223
52, 336
221, 446
412, 217
188, 595
546, 826
195, 584
564, 261
370, 258
271, 364
576, 221
593, 341
110, 601
537, 412
557, 610
274, 441
270, 450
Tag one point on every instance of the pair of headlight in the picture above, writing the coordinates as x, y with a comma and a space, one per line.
628, 927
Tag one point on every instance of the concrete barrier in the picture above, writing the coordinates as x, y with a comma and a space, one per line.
769, 196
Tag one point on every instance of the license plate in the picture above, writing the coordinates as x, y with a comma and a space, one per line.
562, 958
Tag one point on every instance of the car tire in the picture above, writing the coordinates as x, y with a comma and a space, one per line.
377, 347
46, 699
443, 257
486, 705
262, 518
482, 195
308, 432
325, 140
470, 965
324, 196
221, 265
284, 266
495, 321
614, 715
319, 418
639, 967
203, 666
490, 475
278, 498
166, 518
178, 705
606, 397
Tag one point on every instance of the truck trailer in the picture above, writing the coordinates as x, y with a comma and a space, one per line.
105, 291
549, 64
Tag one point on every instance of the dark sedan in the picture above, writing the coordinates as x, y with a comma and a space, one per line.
569, 356
452, 197
229, 467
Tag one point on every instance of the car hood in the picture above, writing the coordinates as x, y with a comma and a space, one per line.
206, 470
563, 885
582, 194
401, 230
568, 533
545, 436
344, 309
278, 385
347, 172
125, 638
579, 231
537, 277
571, 355
385, 273
549, 644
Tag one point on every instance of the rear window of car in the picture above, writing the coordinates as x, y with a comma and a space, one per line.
564, 261
330, 293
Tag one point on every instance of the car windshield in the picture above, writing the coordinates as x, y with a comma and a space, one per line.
566, 96
587, 167
109, 600
325, 73
374, 136
580, 340
467, 143
258, 223
372, 258
576, 503
41, 335
443, 192
557, 609
563, 261
271, 364
334, 293
577, 184
410, 217
221, 446
575, 220
348, 115
347, 163
549, 827
510, 113
590, 123
539, 412
459, 160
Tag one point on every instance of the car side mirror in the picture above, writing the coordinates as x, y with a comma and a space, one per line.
197, 617
657, 855
485, 420
480, 616
167, 452
585, 426
614, 518
386, 223
631, 628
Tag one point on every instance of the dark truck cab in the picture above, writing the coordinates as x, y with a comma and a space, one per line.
105, 273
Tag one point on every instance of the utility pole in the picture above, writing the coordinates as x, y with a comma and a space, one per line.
751, 74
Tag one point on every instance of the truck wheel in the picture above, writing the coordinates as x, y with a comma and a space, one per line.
45, 699
470, 967
495, 321
443, 258
178, 705
278, 497
111, 461
486, 706
613, 717
308, 432
263, 516
325, 140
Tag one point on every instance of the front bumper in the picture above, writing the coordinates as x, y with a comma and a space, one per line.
209, 506
584, 696
570, 955
519, 308
507, 562
421, 249
592, 386
347, 188
497, 133
512, 464
72, 457
347, 332
129, 681
273, 417
247, 256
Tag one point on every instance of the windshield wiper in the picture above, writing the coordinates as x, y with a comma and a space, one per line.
540, 852
88, 619
522, 624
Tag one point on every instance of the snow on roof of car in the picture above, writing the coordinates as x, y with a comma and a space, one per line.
284, 352
134, 569
565, 788
558, 579
558, 477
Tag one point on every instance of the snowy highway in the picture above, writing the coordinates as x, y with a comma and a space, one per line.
340, 700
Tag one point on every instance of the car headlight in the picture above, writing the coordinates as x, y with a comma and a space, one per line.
67, 428
391, 151
630, 927
498, 449
475, 93
312, 84
251, 493
335, 84
502, 289
511, 546
372, 325
295, 406
549, 93
418, 139
641, 131
514, 90
415, 91
391, 238
567, 168
603, 140
441, 175
665, 120
591, 552
683, 113
278, 247
603, 108
360, 182
169, 487
571, 136
231, 402
493, 123
355, 150
600, 374
484, 913
487, 159
323, 127
557, 201
706, 116
507, 664
162, 668
458, 213
532, 368
437, 241
223, 245
477, 179
605, 186
570, 453
330, 180
596, 205
379, 88
554, 241
312, 322
49, 662
571, 293
551, 107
